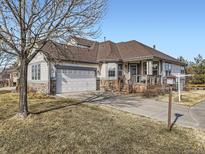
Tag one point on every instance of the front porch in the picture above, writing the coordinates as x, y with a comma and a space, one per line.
133, 76
144, 72
146, 79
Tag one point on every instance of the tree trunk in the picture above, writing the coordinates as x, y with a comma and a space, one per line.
23, 104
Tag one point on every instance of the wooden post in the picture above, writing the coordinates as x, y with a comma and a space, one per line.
179, 87
170, 108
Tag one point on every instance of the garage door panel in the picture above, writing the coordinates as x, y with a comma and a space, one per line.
75, 80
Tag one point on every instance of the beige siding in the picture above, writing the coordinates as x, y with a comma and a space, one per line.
175, 69
103, 71
126, 72
163, 69
103, 68
38, 59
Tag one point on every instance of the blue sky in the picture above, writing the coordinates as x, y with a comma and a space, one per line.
176, 27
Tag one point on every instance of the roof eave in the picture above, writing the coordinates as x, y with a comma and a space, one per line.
138, 58
73, 61
174, 62
109, 60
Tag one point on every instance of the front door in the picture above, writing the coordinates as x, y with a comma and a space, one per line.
133, 72
133, 69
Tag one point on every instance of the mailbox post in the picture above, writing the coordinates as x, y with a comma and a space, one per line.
170, 108
170, 82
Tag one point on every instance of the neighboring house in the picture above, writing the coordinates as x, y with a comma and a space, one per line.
84, 65
9, 77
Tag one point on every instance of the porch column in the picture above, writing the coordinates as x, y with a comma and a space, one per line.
162, 71
126, 71
159, 70
149, 67
142, 67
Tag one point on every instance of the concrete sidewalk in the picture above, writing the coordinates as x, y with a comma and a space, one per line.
190, 117
7, 88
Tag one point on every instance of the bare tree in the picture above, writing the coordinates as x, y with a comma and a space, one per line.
6, 60
26, 26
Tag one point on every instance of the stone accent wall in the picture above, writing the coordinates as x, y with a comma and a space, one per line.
139, 88
109, 85
116, 86
38, 87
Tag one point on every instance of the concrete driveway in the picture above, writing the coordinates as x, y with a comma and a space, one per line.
190, 117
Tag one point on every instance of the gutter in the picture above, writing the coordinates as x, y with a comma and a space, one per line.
138, 58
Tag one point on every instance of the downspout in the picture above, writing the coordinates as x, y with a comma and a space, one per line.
49, 77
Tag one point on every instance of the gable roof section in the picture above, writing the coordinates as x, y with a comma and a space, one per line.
159, 54
104, 51
134, 49
108, 51
131, 50
61, 52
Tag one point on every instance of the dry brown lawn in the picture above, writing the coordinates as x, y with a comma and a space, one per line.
65, 126
188, 98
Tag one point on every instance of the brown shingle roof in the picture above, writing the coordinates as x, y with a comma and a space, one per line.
103, 51
159, 54
83, 42
108, 51
62, 52
134, 49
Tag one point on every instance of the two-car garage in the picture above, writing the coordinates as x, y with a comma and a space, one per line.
75, 79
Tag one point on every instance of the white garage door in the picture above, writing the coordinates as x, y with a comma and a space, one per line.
75, 79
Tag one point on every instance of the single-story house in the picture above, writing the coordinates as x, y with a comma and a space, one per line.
85, 65
9, 77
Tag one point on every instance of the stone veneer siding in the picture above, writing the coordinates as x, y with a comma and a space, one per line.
139, 88
38, 87
114, 85
109, 85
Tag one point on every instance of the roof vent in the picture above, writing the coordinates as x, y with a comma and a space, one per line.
154, 46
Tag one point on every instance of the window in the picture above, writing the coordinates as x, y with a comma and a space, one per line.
36, 72
168, 68
111, 70
32, 72
39, 72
